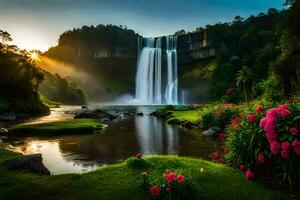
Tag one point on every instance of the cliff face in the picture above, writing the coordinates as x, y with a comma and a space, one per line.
193, 47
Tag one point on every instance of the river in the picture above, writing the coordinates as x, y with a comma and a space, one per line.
124, 137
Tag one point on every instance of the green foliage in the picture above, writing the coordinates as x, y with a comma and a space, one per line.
49, 103
61, 90
137, 163
4, 105
287, 66
19, 83
244, 80
251, 42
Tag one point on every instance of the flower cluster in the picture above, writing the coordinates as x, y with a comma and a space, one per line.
173, 182
266, 142
273, 132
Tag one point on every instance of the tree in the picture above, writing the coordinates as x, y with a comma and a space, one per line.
180, 32
5, 37
272, 11
244, 80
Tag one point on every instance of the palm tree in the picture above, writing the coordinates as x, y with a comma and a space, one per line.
244, 80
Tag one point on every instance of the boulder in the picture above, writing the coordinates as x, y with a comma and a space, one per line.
96, 114
3, 131
31, 163
84, 107
209, 132
140, 114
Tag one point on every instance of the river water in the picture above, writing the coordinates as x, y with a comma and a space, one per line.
123, 138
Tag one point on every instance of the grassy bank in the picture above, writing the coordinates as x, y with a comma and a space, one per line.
200, 116
74, 126
122, 181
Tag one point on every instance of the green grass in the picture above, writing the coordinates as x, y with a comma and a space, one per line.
48, 102
121, 181
191, 115
73, 126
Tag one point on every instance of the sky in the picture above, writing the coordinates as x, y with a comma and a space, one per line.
37, 24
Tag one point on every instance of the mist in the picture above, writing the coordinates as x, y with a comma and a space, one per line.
88, 84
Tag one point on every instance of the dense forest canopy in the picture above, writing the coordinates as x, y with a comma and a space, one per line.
264, 44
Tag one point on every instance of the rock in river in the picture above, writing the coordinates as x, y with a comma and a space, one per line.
95, 114
30, 163
209, 132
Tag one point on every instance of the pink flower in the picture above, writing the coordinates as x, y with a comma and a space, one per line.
271, 136
155, 190
262, 123
171, 177
235, 123
275, 147
296, 146
216, 155
251, 118
259, 108
285, 145
138, 156
293, 131
167, 172
282, 107
180, 178
270, 124
261, 158
242, 168
271, 113
222, 137
249, 174
285, 113
285, 154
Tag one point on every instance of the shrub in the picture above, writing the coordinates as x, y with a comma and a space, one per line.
217, 115
267, 141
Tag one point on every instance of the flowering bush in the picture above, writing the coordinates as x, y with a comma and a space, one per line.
173, 186
266, 140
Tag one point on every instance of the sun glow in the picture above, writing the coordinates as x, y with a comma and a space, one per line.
34, 56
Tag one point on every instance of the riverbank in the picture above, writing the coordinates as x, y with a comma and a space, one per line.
202, 116
123, 181
73, 126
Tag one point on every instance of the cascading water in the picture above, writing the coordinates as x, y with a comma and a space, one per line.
152, 86
171, 93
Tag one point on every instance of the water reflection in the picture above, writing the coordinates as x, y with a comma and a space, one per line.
122, 139
155, 137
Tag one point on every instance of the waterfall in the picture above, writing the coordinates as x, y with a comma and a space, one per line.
172, 86
152, 86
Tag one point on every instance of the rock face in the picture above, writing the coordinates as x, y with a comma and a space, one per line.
31, 163
96, 114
